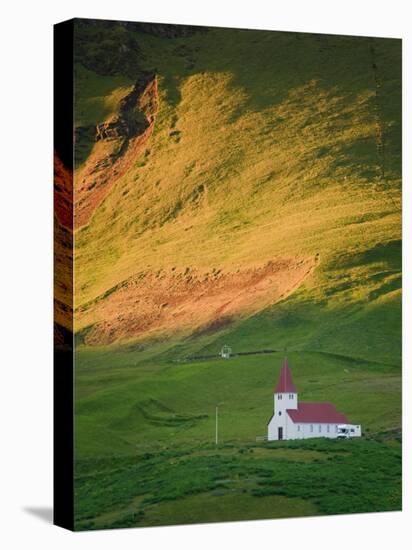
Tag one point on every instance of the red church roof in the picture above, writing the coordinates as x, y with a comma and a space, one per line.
285, 384
322, 413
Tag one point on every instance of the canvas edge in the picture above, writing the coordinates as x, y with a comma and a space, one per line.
63, 368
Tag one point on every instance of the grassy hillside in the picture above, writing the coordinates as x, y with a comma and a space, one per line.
266, 146
122, 403
263, 211
145, 430
173, 485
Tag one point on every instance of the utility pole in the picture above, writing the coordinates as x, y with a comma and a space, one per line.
217, 422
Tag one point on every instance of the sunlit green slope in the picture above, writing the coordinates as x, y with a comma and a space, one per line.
266, 145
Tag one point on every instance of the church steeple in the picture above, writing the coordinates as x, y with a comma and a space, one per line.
285, 383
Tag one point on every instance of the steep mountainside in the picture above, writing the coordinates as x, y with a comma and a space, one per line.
224, 172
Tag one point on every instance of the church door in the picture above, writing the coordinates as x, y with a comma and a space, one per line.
280, 433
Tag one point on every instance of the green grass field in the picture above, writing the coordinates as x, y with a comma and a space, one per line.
265, 145
129, 402
175, 483
145, 428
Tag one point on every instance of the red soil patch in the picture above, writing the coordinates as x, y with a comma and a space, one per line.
150, 304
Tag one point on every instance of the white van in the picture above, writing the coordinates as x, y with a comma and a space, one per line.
345, 431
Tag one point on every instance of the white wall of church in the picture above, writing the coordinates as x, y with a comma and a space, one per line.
299, 431
306, 430
280, 418
283, 401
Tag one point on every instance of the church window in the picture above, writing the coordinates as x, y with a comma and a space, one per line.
311, 427
298, 427
280, 412
328, 428
280, 396
336, 428
320, 428
291, 396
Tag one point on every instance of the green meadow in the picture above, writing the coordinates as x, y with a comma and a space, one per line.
146, 452
266, 145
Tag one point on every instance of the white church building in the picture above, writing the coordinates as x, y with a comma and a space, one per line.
292, 419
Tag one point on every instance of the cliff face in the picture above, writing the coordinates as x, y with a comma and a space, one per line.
136, 112
119, 143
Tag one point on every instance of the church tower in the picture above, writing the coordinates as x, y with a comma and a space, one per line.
285, 397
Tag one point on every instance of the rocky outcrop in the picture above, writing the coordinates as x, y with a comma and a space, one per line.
135, 114
128, 133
